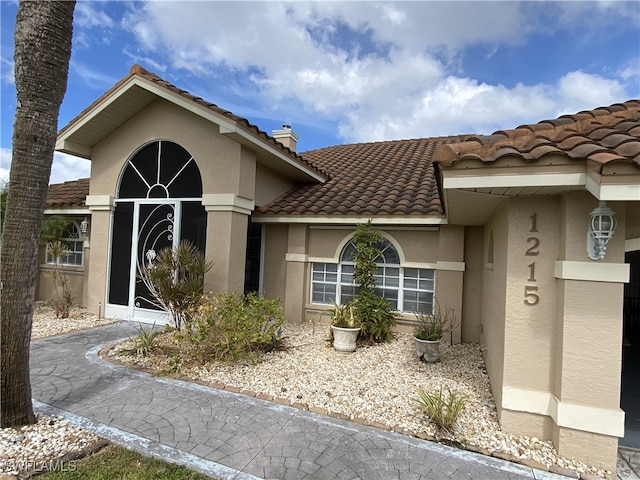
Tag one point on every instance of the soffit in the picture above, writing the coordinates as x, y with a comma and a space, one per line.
103, 121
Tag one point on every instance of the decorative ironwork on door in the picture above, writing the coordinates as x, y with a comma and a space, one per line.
155, 232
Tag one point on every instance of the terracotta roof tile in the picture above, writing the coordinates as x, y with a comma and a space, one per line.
68, 194
393, 177
597, 137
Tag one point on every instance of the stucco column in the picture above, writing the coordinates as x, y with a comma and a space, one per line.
101, 207
531, 244
227, 220
450, 272
586, 390
296, 278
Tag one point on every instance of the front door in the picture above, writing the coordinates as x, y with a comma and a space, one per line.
158, 228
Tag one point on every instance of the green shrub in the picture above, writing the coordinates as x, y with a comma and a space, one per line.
443, 409
144, 342
236, 327
374, 312
176, 279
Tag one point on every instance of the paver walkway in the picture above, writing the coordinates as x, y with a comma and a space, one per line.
227, 435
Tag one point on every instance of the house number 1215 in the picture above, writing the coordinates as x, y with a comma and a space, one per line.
533, 243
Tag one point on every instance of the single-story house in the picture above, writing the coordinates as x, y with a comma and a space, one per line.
532, 235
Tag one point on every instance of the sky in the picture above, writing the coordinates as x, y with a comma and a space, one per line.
346, 72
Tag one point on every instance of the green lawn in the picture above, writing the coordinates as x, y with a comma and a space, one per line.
112, 463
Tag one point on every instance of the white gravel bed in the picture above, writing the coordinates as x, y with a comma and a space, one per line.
42, 446
45, 323
376, 384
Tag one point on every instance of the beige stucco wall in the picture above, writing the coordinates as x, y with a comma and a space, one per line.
472, 284
494, 278
269, 185
571, 333
46, 288
529, 336
273, 258
633, 220
98, 266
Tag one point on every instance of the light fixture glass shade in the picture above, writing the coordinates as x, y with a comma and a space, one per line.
602, 224
84, 226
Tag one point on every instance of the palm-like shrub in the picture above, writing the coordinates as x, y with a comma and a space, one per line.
176, 280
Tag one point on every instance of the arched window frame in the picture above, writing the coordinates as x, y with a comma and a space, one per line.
74, 242
409, 289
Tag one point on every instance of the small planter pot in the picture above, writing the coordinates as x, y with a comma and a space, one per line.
428, 350
344, 339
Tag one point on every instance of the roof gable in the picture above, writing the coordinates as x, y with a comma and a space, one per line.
139, 89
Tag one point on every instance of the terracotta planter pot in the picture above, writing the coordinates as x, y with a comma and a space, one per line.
428, 350
344, 339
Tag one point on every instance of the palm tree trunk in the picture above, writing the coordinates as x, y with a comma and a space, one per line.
42, 50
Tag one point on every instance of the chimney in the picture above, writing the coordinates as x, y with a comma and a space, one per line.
286, 137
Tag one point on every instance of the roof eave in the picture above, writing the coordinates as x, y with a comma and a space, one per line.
340, 219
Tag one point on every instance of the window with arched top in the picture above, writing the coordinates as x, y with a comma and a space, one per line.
161, 169
408, 289
74, 245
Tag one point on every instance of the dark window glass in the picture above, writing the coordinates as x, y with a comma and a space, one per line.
252, 260
161, 170
121, 254
194, 224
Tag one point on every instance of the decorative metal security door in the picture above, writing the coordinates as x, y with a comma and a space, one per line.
158, 203
156, 231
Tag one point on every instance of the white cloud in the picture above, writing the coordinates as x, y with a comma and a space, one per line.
377, 70
88, 15
454, 106
6, 66
577, 89
65, 167
5, 164
68, 167
91, 77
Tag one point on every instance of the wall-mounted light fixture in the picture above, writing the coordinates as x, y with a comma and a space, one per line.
602, 224
84, 227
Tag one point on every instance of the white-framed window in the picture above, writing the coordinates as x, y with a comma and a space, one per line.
72, 240
408, 289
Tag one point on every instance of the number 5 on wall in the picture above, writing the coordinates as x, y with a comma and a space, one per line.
530, 295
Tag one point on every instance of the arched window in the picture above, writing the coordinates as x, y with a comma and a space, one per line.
161, 169
71, 239
408, 289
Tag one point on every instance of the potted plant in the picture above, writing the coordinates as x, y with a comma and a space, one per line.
345, 327
429, 331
